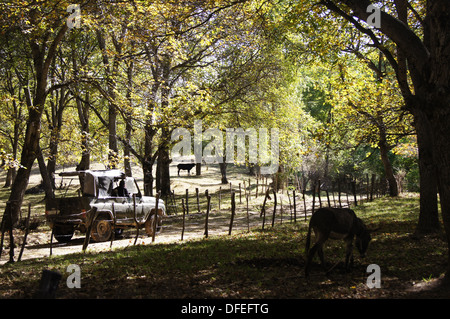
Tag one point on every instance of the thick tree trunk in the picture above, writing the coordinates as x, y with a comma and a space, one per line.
147, 168
163, 171
438, 102
428, 215
441, 120
29, 154
163, 167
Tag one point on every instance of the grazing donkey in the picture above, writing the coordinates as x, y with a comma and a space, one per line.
336, 223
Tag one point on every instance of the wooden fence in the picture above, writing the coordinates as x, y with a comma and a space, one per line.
339, 193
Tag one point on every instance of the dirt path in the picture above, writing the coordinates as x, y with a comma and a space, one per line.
38, 242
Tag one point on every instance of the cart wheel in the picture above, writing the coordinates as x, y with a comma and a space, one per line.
150, 224
101, 229
63, 233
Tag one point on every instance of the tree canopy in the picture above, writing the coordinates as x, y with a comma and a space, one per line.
350, 90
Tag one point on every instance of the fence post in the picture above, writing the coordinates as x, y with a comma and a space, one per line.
208, 197
346, 194
372, 187
27, 227
281, 208
290, 205
354, 192
233, 209
274, 206
263, 209
198, 200
257, 184
240, 194
187, 201
304, 202
314, 198
318, 194
155, 223
295, 207
328, 198
113, 235
93, 217
248, 216
184, 218
339, 193
220, 196
135, 219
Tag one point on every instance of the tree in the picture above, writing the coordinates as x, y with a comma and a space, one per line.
42, 28
423, 63
323, 31
12, 118
373, 107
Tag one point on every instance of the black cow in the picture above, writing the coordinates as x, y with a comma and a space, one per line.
336, 223
186, 167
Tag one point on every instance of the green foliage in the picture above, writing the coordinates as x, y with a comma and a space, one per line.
151, 67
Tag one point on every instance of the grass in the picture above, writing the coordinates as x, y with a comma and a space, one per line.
257, 264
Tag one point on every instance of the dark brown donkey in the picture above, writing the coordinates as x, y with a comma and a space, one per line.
336, 223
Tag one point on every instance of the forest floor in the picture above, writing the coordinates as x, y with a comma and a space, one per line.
250, 263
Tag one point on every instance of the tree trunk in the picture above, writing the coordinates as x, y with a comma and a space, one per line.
223, 172
128, 125
56, 124
428, 215
441, 127
148, 159
11, 174
163, 171
147, 168
163, 165
389, 172
112, 110
29, 153
46, 179
83, 115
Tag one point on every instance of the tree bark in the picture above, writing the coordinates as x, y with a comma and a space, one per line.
388, 171
428, 215
83, 115
223, 172
46, 179
28, 156
163, 172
